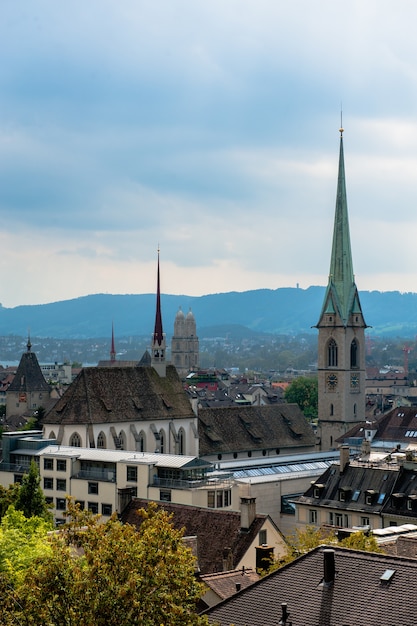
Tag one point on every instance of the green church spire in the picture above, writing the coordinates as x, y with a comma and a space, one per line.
341, 294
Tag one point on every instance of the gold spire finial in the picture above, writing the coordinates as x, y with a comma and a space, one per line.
341, 129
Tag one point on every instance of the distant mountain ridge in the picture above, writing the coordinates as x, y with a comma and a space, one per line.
280, 311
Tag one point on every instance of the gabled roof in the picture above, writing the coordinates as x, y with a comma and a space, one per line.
357, 482
242, 428
399, 425
357, 597
29, 376
215, 530
102, 395
224, 583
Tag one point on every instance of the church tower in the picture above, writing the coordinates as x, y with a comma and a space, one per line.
341, 349
185, 344
158, 349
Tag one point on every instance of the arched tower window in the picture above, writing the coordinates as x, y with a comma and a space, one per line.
354, 409
331, 409
354, 354
52, 435
101, 440
141, 444
181, 441
75, 440
162, 441
332, 353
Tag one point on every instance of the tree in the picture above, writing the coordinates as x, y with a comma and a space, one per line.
8, 496
108, 574
22, 540
306, 539
30, 498
304, 392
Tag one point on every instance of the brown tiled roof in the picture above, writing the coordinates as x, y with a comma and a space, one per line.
29, 376
112, 394
224, 583
358, 596
234, 429
215, 530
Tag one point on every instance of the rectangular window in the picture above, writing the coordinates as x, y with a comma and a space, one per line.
364, 521
60, 504
219, 499
93, 507
210, 499
338, 519
262, 538
331, 518
61, 465
48, 483
81, 503
132, 473
48, 464
312, 516
106, 509
49, 500
227, 497
93, 488
61, 484
165, 495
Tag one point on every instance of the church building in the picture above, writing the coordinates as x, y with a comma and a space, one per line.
341, 342
117, 406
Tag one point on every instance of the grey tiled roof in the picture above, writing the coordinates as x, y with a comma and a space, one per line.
357, 483
398, 425
234, 429
358, 596
29, 376
112, 394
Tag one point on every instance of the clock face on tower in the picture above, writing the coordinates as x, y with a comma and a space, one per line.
354, 381
331, 380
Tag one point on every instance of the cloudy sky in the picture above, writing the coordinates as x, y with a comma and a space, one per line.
209, 127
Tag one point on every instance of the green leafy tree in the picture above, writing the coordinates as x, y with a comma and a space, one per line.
304, 392
8, 496
30, 498
22, 540
110, 574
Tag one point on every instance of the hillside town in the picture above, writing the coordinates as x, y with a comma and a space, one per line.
238, 466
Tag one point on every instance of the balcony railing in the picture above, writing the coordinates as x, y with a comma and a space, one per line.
104, 475
14, 467
172, 483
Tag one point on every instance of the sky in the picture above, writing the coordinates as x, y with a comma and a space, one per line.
209, 129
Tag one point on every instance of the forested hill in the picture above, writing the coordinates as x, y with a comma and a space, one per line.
280, 311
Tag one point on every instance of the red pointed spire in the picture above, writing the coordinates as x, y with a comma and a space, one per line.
112, 349
158, 332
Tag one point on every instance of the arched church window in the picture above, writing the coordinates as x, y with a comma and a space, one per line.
101, 440
142, 442
332, 353
122, 440
181, 441
75, 440
331, 409
162, 441
354, 354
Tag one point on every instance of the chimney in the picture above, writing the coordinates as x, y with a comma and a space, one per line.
247, 513
344, 458
227, 559
284, 614
329, 567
